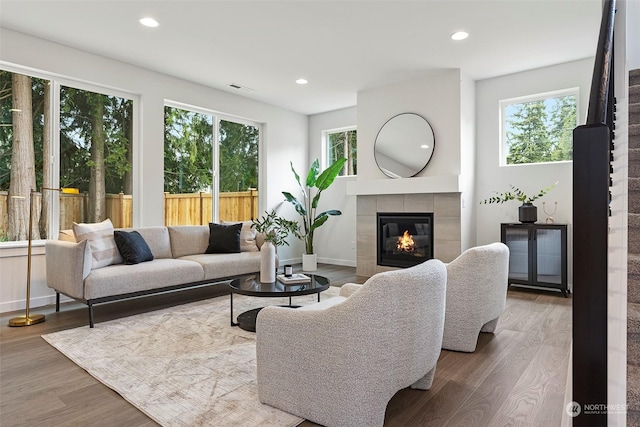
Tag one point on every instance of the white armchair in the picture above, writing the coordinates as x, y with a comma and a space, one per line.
477, 284
340, 361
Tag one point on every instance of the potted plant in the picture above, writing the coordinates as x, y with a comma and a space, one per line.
313, 187
276, 229
527, 212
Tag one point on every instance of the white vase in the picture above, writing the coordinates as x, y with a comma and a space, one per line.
268, 262
309, 262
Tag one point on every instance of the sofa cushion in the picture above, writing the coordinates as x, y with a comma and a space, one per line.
188, 239
247, 236
157, 238
132, 247
224, 239
103, 246
218, 266
123, 279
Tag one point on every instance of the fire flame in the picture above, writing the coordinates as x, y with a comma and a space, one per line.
405, 242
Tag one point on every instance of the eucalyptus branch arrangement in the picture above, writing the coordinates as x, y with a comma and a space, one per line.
517, 194
275, 228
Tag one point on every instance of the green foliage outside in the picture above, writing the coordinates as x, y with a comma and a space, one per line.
6, 126
82, 114
188, 153
540, 131
344, 145
238, 156
77, 118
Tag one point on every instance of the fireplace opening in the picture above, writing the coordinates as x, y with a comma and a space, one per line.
404, 239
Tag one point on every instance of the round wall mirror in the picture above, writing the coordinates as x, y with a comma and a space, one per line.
404, 145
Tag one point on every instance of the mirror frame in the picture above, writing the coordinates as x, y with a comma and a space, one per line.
429, 135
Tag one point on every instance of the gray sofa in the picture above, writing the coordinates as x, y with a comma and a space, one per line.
178, 262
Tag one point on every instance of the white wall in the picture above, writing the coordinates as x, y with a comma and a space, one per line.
633, 33
467, 162
285, 138
436, 97
335, 240
491, 177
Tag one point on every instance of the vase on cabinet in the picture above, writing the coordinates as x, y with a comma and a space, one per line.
527, 213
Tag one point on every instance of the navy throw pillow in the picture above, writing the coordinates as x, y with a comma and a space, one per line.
224, 239
132, 247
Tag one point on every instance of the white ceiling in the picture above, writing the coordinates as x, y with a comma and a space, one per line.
341, 47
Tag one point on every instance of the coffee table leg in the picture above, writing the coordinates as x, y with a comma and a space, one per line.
231, 310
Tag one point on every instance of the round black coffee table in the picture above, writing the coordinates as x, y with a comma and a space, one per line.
250, 285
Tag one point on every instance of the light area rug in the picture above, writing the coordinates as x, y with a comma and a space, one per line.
182, 366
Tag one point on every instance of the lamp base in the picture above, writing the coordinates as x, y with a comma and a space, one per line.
26, 321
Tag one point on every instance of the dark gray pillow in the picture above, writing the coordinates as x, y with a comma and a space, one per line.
223, 239
132, 247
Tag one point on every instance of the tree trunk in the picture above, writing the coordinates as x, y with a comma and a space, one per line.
46, 163
97, 205
23, 173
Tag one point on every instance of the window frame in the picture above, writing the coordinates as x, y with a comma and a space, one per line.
325, 145
217, 116
503, 103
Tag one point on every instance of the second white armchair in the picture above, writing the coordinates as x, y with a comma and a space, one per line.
477, 284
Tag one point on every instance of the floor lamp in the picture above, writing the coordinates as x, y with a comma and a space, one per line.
29, 319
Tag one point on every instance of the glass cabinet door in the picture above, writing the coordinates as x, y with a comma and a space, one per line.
549, 255
517, 239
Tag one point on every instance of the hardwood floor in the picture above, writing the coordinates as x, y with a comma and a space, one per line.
516, 376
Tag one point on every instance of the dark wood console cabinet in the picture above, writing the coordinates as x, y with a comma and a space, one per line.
537, 254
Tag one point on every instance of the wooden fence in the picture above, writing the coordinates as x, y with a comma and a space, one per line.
196, 208
179, 209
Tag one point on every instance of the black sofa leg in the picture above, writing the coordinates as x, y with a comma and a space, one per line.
90, 304
57, 302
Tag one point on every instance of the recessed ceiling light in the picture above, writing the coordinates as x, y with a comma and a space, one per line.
425, 146
148, 22
459, 35
302, 81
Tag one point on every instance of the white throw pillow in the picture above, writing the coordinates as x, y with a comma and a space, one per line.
247, 236
104, 251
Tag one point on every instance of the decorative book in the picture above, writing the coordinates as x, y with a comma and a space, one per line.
295, 278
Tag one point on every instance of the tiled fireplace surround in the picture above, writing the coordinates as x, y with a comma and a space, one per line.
446, 224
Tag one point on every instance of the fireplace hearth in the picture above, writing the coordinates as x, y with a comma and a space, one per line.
404, 239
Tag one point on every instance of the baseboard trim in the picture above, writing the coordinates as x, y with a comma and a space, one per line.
332, 261
335, 261
7, 307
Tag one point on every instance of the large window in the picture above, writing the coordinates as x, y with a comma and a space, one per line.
95, 157
538, 128
194, 193
24, 110
342, 143
94, 154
